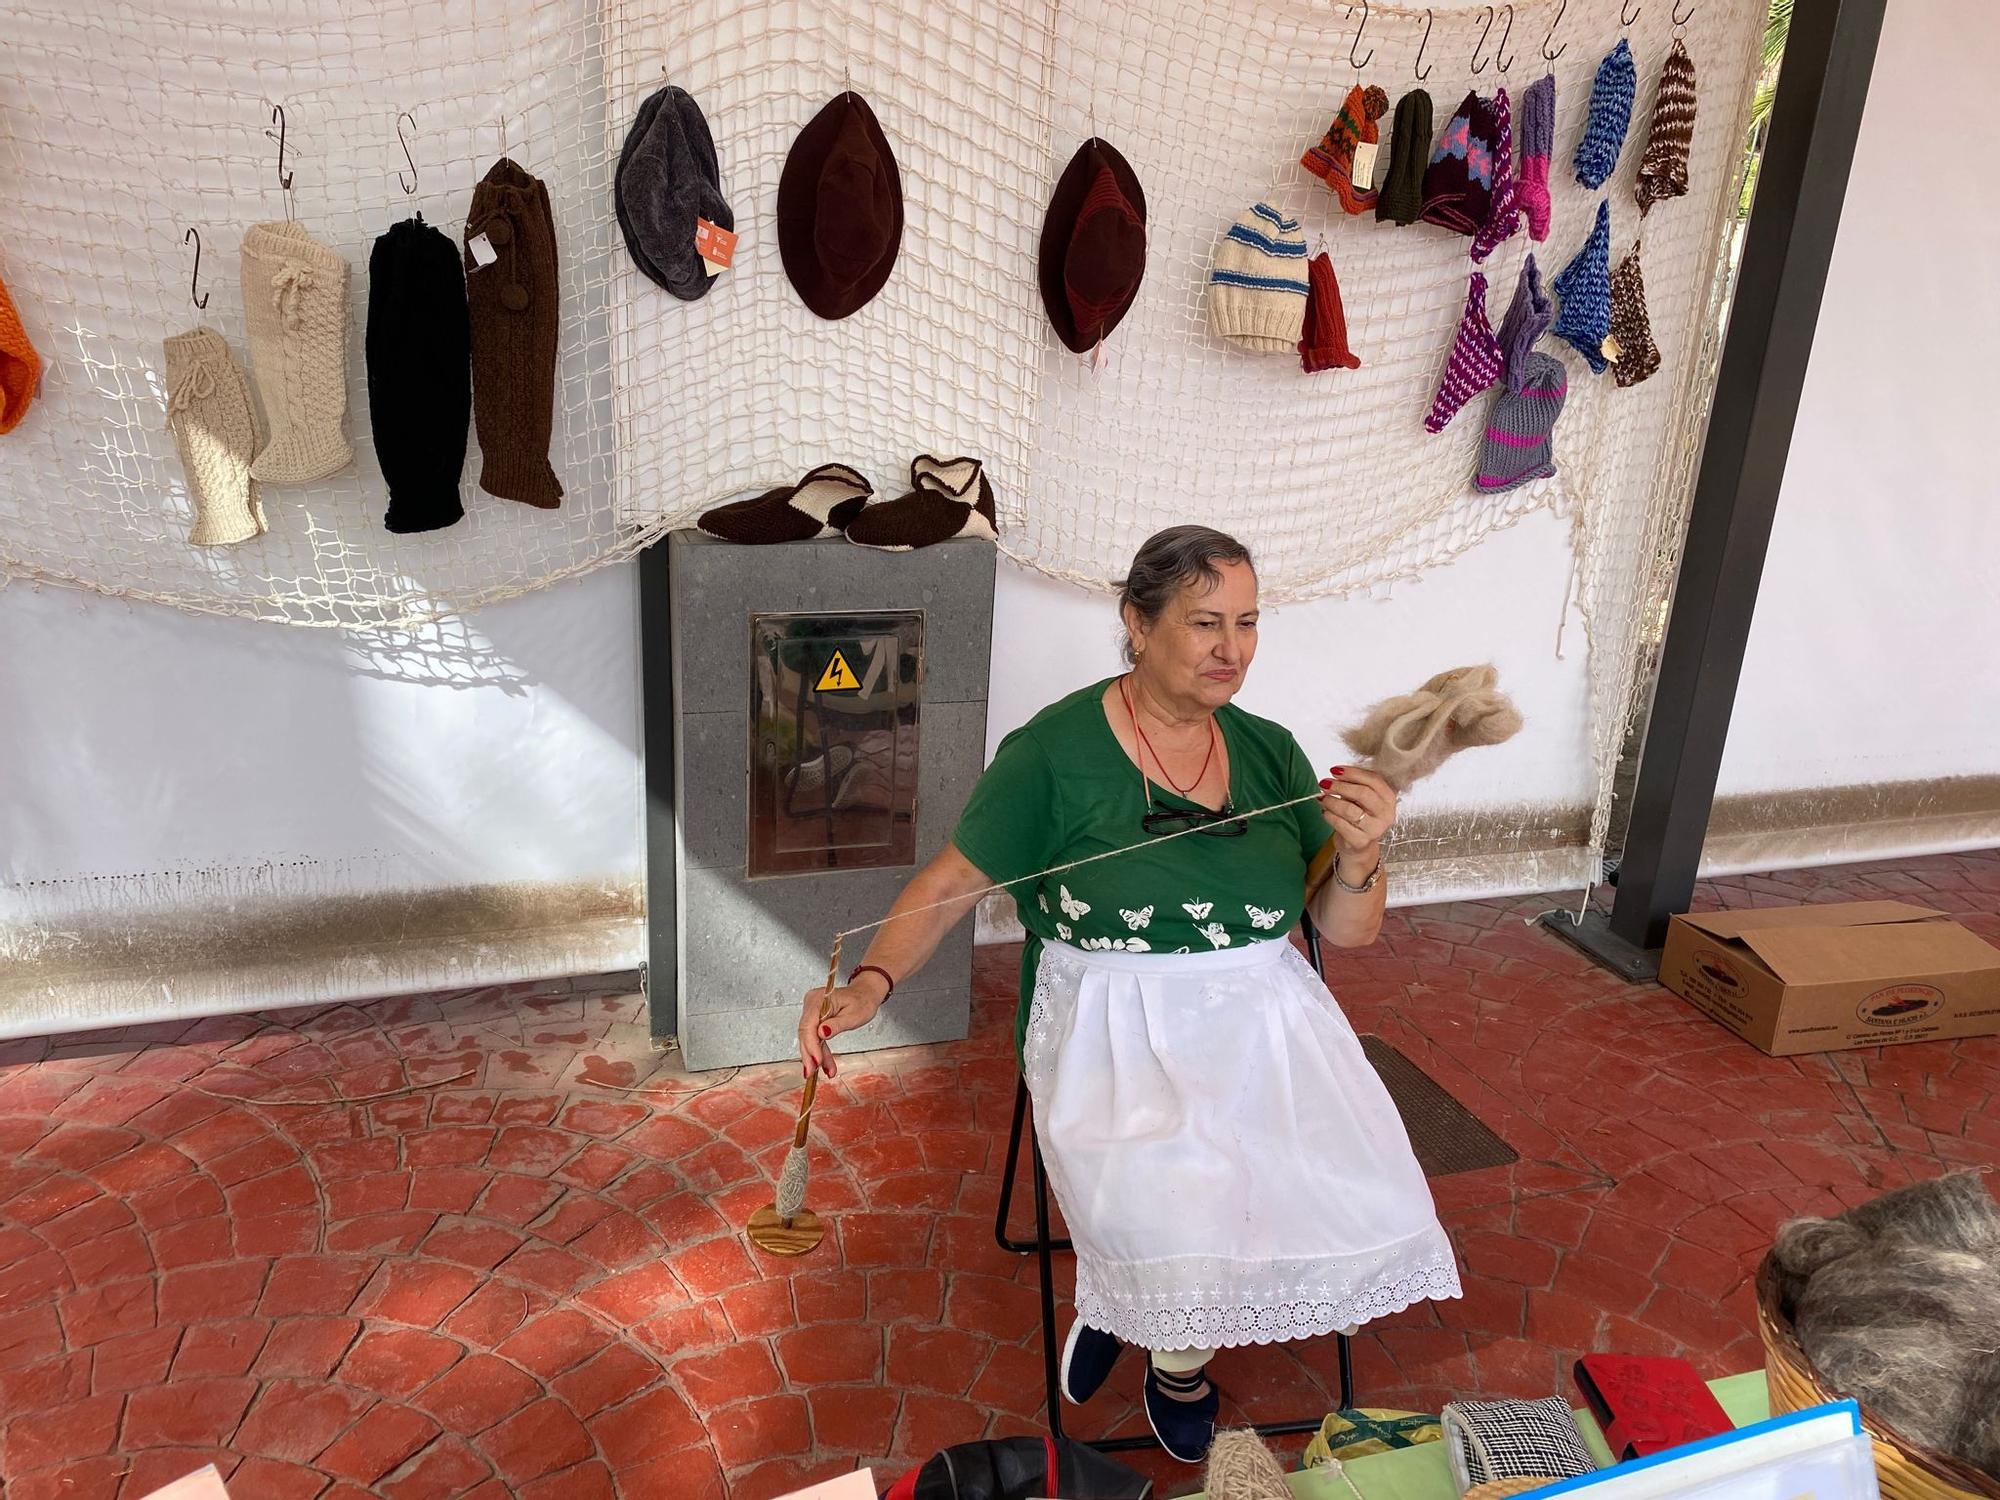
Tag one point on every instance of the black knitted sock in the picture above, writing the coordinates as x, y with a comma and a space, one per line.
419, 373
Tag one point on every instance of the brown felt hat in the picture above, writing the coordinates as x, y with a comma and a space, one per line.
1093, 245
840, 208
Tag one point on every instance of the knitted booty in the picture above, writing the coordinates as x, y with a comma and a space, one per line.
419, 373
514, 308
215, 429
295, 303
1610, 115
1538, 139
1663, 169
1401, 197
20, 365
1474, 363
1504, 217
1519, 430
1584, 285
1527, 319
1630, 341
1332, 160
1324, 346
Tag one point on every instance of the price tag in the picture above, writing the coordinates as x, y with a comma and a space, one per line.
1364, 163
483, 253
715, 245
1610, 348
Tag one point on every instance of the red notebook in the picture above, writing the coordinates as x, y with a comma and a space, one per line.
1647, 1404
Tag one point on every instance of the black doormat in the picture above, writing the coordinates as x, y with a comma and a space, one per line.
1446, 1135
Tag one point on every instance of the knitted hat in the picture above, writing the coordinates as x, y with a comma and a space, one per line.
419, 347
1630, 344
1518, 430
668, 177
1332, 160
1458, 183
1401, 197
949, 497
295, 305
1093, 252
840, 209
1663, 169
1538, 138
1504, 217
514, 303
1527, 319
1474, 362
215, 429
20, 365
1324, 346
1610, 114
1257, 287
1584, 285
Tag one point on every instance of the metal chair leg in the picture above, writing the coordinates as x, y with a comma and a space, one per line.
1007, 1174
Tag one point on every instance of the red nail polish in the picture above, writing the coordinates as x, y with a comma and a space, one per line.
1340, 770
826, 1031
1324, 784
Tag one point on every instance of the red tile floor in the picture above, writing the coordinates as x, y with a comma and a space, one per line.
487, 1243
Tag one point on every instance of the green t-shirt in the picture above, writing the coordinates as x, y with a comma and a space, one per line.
1061, 788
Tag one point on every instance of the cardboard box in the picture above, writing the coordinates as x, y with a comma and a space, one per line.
1794, 979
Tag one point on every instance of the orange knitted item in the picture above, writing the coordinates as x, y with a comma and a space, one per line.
1325, 345
20, 366
1332, 160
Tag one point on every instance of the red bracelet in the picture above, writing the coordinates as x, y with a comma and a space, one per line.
887, 977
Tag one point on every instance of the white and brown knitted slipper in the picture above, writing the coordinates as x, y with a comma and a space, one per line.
823, 502
949, 497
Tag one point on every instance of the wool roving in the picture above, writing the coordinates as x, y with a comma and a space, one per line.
1584, 287
513, 302
1538, 144
1528, 317
20, 365
295, 307
1504, 216
1324, 346
1518, 447
1474, 362
1631, 332
1405, 738
419, 348
1458, 183
1332, 160
1257, 287
1610, 116
215, 428
1663, 168
1401, 197
1240, 1467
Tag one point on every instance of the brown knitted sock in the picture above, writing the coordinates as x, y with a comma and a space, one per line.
514, 305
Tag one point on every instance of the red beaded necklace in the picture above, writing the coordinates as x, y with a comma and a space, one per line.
1125, 692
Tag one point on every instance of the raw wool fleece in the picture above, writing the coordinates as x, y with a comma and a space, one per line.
1240, 1467
1406, 738
1898, 1303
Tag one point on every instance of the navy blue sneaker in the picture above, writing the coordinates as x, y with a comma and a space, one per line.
1087, 1357
1184, 1428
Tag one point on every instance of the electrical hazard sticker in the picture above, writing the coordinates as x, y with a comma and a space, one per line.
838, 677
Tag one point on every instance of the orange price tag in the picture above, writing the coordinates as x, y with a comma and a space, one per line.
715, 245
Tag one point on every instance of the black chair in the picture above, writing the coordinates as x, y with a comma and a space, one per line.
1044, 1248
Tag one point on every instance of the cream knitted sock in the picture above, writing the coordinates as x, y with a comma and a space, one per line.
215, 428
295, 298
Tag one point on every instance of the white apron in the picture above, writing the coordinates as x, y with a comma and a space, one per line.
1231, 1167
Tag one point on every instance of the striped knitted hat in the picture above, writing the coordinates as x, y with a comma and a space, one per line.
1332, 160
1257, 287
1519, 431
1401, 197
1458, 183
1584, 285
1630, 340
1663, 170
1610, 115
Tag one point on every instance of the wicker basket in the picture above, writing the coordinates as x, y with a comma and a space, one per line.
1499, 1489
1905, 1470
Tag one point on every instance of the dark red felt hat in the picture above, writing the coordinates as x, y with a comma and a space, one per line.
1093, 245
840, 208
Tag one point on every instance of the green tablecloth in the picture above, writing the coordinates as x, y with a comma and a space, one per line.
1421, 1473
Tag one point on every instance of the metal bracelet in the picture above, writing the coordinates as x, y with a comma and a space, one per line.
1374, 878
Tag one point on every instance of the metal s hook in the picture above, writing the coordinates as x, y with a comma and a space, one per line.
1628, 20
199, 297
1421, 71
1552, 56
1502, 61
409, 187
1682, 20
278, 119
1359, 62
1485, 32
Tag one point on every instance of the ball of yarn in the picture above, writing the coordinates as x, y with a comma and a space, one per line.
1240, 1467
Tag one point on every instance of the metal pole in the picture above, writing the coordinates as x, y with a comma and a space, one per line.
656, 688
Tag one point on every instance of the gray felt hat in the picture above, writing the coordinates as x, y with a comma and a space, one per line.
668, 177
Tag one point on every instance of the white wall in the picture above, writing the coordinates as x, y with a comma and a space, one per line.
1873, 656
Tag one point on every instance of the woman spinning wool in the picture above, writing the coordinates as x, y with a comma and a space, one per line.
1231, 1168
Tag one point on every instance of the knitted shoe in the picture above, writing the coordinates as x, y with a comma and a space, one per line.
1538, 135
1475, 361
948, 498
1610, 116
1584, 287
215, 429
1087, 1357
20, 366
1184, 1428
1630, 340
514, 306
1332, 160
1401, 197
825, 501
295, 306
1504, 216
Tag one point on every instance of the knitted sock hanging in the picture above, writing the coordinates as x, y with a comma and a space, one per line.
1584, 285
513, 304
295, 306
1610, 116
1631, 335
1324, 346
1333, 159
1474, 363
1663, 169
215, 429
1527, 319
419, 347
1538, 144
1504, 217
1401, 197
20, 365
